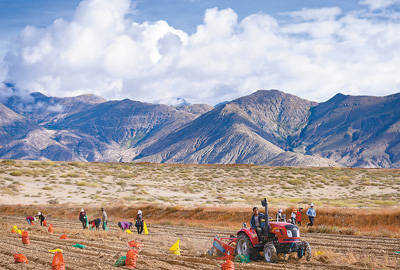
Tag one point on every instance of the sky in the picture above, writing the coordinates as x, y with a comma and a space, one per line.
204, 51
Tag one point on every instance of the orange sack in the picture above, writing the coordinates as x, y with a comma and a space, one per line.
58, 262
131, 257
13, 230
20, 258
25, 238
64, 236
45, 223
134, 244
50, 230
228, 265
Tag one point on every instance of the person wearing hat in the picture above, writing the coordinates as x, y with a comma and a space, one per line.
293, 217
311, 214
139, 222
279, 216
41, 217
104, 218
83, 218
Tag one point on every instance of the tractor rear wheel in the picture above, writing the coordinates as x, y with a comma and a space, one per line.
245, 247
270, 254
305, 251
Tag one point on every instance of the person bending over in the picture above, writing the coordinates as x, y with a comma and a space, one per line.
125, 225
41, 218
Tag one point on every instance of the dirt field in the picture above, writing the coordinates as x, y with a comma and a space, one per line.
103, 248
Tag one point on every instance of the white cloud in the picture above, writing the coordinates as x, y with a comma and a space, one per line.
320, 14
317, 54
379, 4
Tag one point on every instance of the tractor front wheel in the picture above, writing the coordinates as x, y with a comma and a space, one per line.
245, 247
270, 254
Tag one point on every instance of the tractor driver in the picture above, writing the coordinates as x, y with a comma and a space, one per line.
257, 222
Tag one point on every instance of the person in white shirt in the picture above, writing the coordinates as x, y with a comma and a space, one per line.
311, 214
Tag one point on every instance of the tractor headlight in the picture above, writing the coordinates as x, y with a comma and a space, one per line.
289, 233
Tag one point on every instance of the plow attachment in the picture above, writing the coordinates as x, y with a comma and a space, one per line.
224, 247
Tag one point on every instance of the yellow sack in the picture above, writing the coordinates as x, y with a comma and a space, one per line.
19, 232
174, 249
145, 228
14, 229
55, 250
128, 231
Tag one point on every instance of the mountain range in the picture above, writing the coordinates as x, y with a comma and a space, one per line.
267, 127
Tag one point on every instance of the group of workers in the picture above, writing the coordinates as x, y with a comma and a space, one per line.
258, 219
296, 215
39, 216
95, 223
123, 225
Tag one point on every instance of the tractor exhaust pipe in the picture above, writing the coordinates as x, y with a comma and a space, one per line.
266, 227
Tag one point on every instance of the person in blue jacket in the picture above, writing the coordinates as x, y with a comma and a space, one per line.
257, 221
311, 214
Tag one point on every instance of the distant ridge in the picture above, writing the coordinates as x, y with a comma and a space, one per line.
267, 127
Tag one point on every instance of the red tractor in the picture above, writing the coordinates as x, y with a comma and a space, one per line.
275, 238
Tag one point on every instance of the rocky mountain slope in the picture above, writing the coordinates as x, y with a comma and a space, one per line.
252, 129
357, 131
266, 127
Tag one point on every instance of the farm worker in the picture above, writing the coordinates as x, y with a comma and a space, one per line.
279, 215
41, 217
104, 219
293, 217
30, 219
83, 218
298, 216
311, 214
257, 221
139, 222
125, 225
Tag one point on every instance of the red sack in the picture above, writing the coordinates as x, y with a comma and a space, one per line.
13, 230
45, 223
228, 265
131, 257
58, 262
50, 230
20, 258
25, 238
64, 236
134, 244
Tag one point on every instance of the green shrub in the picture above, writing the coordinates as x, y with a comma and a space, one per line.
16, 173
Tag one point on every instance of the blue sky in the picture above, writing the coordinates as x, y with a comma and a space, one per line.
201, 50
182, 14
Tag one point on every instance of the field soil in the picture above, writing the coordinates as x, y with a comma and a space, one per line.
104, 248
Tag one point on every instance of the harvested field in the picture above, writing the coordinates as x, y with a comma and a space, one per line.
103, 248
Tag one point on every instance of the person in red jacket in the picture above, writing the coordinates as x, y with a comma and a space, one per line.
298, 216
30, 220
